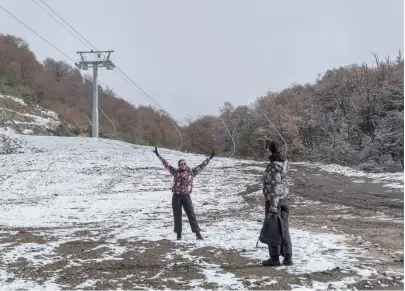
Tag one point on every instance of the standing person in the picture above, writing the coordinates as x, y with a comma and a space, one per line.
275, 190
182, 188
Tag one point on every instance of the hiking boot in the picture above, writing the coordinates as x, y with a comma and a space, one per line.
179, 236
199, 236
288, 260
272, 262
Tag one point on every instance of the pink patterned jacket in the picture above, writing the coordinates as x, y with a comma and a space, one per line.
183, 179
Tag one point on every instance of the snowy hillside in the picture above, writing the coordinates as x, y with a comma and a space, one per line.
24, 118
98, 213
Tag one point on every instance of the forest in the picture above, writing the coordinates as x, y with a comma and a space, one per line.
352, 115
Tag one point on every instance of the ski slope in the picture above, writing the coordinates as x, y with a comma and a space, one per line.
115, 191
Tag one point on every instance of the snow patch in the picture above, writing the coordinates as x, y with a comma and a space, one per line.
8, 131
48, 123
15, 99
215, 274
95, 184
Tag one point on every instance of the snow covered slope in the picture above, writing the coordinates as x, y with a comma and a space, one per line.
113, 192
24, 118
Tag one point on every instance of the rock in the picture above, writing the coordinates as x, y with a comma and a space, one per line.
330, 287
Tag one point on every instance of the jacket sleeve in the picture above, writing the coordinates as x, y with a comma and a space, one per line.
265, 173
168, 166
274, 198
201, 167
282, 188
284, 173
285, 178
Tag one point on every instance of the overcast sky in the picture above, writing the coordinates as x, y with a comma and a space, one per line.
192, 56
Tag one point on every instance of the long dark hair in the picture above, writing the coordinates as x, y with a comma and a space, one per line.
274, 148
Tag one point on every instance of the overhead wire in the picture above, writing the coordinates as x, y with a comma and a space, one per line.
50, 15
88, 44
49, 43
233, 141
37, 34
75, 36
271, 123
50, 8
128, 80
134, 84
115, 129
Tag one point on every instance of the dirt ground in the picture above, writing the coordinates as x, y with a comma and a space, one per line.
372, 214
320, 202
371, 211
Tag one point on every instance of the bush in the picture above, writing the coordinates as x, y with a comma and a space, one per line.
10, 145
28, 96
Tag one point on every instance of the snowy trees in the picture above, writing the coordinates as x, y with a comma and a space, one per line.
351, 115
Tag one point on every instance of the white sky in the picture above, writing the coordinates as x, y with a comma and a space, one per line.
192, 56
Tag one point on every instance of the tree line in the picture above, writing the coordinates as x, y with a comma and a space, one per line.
352, 115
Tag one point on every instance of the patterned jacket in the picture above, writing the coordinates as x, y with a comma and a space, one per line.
275, 182
183, 179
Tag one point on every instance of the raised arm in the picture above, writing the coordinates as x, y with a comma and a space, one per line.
201, 166
169, 167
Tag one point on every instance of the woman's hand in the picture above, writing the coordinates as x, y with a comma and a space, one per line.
273, 209
156, 151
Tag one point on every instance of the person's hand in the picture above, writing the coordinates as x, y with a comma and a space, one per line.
273, 210
212, 155
156, 151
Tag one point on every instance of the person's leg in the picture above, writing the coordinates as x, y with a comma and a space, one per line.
286, 245
274, 253
177, 213
192, 219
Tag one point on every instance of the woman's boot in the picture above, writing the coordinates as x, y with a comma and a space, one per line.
198, 235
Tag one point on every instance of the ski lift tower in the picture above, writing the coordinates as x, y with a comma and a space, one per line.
95, 59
